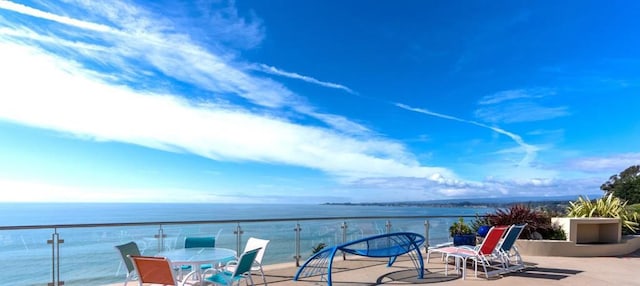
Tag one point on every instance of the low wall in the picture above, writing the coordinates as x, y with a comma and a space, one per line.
628, 244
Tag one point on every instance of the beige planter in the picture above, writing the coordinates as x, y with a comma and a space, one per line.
590, 229
628, 244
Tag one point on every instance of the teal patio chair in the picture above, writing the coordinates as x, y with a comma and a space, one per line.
252, 243
241, 271
198, 242
129, 249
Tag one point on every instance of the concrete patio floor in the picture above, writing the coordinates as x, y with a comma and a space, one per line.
541, 270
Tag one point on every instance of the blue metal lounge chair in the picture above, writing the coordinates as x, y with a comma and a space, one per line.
390, 245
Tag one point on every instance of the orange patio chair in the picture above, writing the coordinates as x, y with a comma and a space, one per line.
155, 270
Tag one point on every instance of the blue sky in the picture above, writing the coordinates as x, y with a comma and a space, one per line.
287, 101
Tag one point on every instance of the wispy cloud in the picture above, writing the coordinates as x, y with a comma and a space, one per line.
508, 95
74, 97
19, 8
520, 112
529, 150
518, 105
613, 164
417, 187
275, 71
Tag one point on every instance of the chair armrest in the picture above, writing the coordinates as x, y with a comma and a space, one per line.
231, 263
188, 276
208, 271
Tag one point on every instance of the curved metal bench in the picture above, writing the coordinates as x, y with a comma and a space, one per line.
389, 245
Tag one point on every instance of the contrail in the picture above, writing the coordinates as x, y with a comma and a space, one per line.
530, 150
22, 9
275, 71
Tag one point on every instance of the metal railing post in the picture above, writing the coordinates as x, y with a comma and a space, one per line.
160, 237
344, 237
238, 232
55, 242
297, 256
426, 234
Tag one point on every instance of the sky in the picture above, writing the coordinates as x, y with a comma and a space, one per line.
287, 101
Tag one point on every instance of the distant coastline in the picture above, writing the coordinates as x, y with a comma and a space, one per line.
555, 204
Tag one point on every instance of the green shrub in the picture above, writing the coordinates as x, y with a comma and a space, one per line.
320, 246
478, 222
459, 227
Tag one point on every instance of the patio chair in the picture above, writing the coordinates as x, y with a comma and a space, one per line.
485, 254
508, 250
198, 242
240, 272
155, 270
129, 248
252, 243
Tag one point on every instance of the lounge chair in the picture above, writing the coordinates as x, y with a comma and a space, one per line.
508, 250
486, 253
390, 245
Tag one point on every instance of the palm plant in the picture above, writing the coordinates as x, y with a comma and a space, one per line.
608, 206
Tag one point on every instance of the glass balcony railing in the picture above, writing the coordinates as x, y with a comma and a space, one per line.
85, 254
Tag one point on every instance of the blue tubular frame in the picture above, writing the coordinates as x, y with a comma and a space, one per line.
389, 245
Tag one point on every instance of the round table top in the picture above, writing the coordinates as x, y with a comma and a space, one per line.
201, 255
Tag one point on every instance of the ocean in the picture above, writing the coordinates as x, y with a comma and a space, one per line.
87, 255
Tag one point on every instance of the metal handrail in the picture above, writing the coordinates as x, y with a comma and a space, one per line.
83, 225
56, 239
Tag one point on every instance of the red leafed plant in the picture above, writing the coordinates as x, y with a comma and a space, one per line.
536, 221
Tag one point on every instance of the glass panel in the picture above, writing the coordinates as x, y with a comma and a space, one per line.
88, 255
25, 257
281, 236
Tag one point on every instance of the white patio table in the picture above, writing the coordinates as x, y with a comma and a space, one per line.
196, 257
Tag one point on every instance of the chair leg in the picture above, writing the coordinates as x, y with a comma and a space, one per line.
264, 279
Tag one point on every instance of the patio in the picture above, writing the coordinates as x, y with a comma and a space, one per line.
540, 270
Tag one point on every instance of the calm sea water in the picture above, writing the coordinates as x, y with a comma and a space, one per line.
88, 255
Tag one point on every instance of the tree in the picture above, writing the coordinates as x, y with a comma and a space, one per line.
625, 185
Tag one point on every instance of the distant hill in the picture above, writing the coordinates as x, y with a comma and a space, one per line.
509, 199
557, 203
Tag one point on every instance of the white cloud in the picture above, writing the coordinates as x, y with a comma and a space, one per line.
520, 112
68, 100
613, 164
518, 105
515, 94
22, 191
